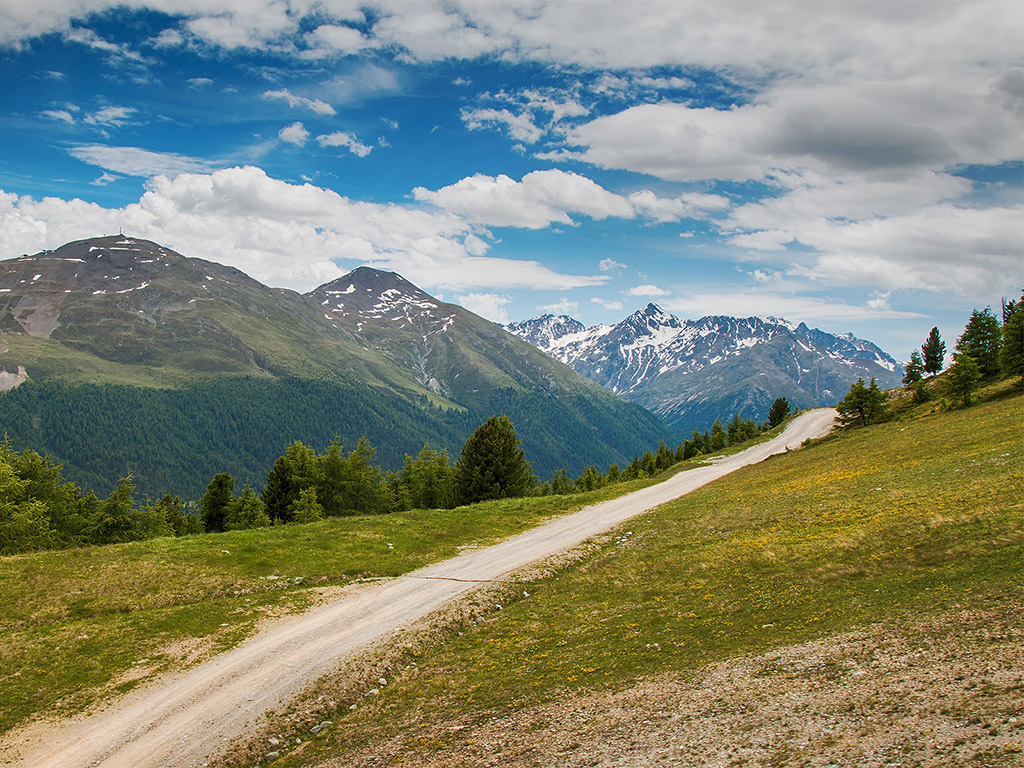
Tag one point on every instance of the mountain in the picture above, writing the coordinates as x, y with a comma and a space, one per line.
119, 355
690, 372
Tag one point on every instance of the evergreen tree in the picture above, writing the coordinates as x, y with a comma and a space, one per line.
735, 430
492, 465
981, 340
933, 352
1011, 350
913, 372
214, 504
665, 457
718, 436
648, 466
426, 481
964, 375
246, 511
279, 491
613, 475
306, 508
862, 405
778, 412
113, 521
560, 483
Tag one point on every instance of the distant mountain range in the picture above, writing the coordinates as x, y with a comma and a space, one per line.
119, 355
690, 372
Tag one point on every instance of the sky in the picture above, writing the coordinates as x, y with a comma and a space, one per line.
853, 165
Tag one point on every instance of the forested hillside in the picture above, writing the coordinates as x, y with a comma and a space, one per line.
124, 357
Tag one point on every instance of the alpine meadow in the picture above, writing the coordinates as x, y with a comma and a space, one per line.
460, 384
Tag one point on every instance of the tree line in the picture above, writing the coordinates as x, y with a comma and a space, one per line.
39, 509
986, 350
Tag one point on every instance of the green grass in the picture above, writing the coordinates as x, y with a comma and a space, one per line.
880, 524
79, 624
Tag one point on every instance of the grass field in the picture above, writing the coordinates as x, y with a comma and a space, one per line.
906, 519
82, 624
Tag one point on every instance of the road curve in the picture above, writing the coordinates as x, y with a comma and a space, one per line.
181, 721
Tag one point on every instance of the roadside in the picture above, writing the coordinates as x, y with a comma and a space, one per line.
184, 720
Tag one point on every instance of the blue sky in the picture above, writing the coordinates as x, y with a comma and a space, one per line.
856, 166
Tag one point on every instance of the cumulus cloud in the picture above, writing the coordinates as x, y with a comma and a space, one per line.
614, 306
521, 127
606, 265
284, 234
295, 133
301, 102
487, 305
346, 140
541, 198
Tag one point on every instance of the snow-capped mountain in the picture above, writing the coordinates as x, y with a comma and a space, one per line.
690, 372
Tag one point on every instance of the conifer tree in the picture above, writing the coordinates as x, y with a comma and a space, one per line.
306, 508
1011, 350
214, 503
863, 405
913, 372
492, 465
718, 436
246, 511
964, 375
933, 352
778, 412
981, 340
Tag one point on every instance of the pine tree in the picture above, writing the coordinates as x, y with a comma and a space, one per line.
246, 511
718, 436
933, 351
306, 508
863, 405
964, 375
1011, 350
279, 491
778, 412
214, 503
981, 340
913, 372
492, 465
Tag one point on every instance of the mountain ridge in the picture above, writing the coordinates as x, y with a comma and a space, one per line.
690, 372
121, 313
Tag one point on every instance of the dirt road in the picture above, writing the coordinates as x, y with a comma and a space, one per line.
182, 720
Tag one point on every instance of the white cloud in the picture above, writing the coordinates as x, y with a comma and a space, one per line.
487, 305
562, 307
295, 133
347, 140
687, 206
809, 309
59, 114
606, 265
301, 102
134, 161
199, 82
614, 306
521, 127
104, 179
541, 198
336, 39
646, 290
284, 234
115, 117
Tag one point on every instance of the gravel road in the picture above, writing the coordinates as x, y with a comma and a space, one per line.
182, 720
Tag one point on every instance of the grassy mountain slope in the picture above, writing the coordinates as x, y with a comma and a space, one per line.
140, 360
916, 518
